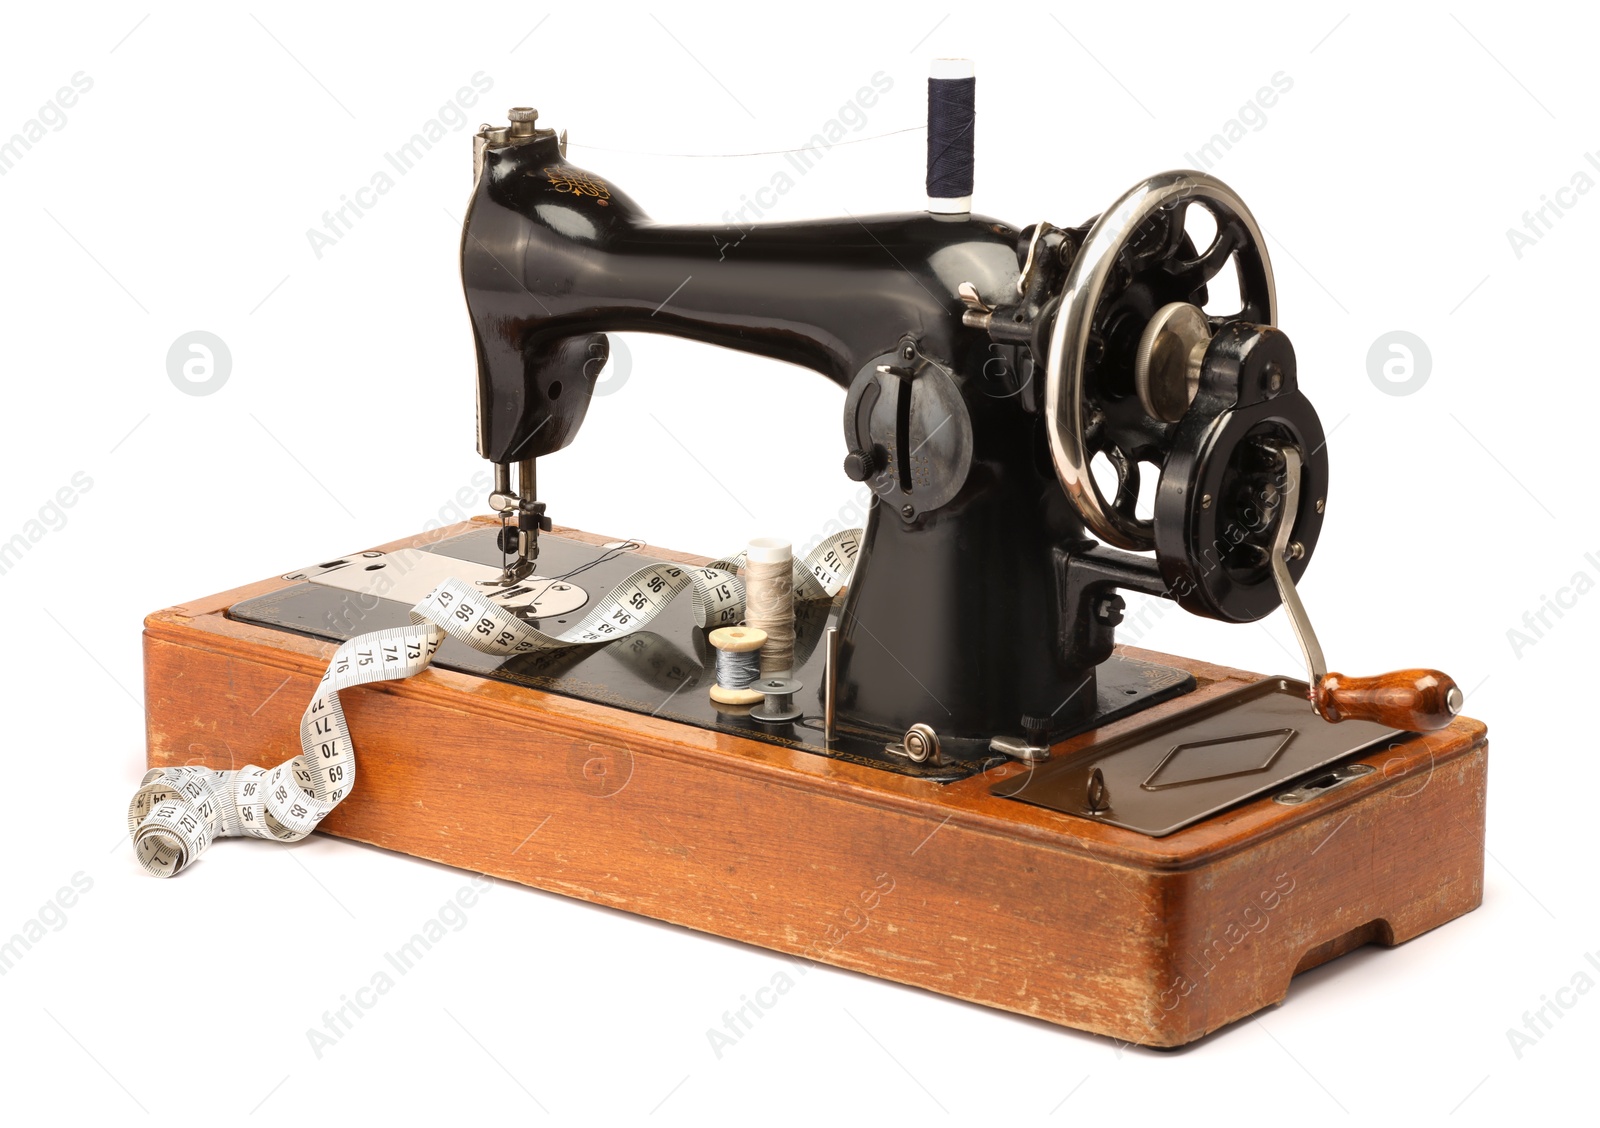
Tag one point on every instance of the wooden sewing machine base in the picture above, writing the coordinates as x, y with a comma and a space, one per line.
1156, 941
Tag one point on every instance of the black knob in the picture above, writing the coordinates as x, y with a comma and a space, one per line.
1037, 729
859, 465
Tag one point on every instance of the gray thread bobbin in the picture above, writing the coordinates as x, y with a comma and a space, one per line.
737, 669
779, 705
741, 641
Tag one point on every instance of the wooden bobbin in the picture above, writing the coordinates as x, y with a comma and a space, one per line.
735, 640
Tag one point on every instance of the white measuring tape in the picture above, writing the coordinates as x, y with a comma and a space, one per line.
178, 812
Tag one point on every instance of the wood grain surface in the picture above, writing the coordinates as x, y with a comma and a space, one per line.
940, 886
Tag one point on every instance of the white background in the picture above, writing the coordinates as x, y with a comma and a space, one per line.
177, 197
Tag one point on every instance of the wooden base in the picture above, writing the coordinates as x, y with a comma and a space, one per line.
942, 886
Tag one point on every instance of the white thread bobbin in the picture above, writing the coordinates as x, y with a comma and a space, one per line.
769, 600
737, 640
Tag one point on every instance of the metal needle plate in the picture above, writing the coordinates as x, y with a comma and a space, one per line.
1175, 771
407, 575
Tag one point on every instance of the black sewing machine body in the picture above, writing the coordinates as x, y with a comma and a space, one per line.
951, 613
966, 610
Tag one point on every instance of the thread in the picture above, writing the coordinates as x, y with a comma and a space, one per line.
738, 665
769, 600
778, 707
952, 118
738, 669
760, 153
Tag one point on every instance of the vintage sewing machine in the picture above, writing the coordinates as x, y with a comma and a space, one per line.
982, 794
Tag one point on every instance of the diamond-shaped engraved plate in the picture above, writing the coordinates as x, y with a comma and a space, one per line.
1222, 757
1175, 771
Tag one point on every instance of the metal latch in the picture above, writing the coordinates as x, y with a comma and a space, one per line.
1324, 783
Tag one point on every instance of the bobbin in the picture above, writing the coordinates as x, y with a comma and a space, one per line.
737, 640
779, 705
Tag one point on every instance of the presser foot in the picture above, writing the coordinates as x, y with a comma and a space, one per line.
522, 518
511, 574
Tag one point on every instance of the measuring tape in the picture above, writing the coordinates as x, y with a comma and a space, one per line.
178, 812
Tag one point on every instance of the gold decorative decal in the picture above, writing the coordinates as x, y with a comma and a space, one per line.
578, 184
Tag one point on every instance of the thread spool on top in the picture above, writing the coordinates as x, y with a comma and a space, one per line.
952, 121
769, 600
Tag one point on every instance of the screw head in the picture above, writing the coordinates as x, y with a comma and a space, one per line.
1108, 609
1205, 502
908, 511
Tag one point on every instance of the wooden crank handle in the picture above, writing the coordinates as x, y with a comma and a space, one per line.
1413, 700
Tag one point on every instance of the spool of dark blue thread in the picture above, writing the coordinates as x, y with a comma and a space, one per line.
952, 119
